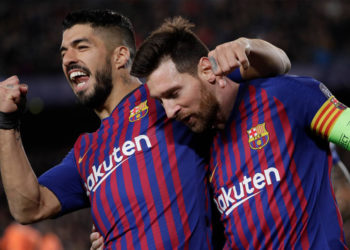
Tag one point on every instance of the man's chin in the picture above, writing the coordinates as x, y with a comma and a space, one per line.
195, 124
86, 100
197, 128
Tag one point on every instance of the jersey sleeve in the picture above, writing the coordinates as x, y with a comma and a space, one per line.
65, 182
332, 121
236, 75
320, 110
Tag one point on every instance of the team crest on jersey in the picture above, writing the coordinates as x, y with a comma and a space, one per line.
337, 103
138, 112
258, 136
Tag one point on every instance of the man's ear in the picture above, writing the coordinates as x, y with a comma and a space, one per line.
121, 56
205, 70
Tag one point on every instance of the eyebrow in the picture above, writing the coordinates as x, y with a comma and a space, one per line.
74, 43
168, 92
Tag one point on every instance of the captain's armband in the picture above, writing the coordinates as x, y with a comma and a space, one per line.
340, 133
332, 121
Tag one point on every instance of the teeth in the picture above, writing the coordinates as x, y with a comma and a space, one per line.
81, 84
75, 74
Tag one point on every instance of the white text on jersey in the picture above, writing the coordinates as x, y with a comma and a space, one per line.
115, 159
233, 196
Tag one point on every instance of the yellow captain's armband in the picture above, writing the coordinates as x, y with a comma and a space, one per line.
332, 121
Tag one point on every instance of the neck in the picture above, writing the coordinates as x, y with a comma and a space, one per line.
226, 97
121, 88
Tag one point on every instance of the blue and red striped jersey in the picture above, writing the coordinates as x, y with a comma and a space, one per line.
144, 177
270, 173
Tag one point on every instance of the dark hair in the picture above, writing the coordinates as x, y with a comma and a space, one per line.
173, 39
112, 21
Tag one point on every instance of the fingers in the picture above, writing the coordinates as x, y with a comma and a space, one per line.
10, 82
230, 55
96, 241
13, 83
94, 236
23, 88
11, 94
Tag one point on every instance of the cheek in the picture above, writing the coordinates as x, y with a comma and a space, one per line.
193, 96
93, 60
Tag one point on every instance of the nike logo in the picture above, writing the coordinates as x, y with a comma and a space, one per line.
212, 173
82, 157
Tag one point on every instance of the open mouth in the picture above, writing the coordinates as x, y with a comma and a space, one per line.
79, 77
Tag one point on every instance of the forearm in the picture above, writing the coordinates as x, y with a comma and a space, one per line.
25, 195
265, 60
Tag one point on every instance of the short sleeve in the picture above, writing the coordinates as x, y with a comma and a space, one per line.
302, 96
65, 182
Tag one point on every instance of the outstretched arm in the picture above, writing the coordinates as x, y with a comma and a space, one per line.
254, 57
28, 201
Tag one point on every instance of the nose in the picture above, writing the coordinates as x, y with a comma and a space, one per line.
171, 108
69, 57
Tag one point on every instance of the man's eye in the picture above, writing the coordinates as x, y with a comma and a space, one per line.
174, 94
82, 47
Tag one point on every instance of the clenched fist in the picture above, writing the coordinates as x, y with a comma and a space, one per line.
12, 102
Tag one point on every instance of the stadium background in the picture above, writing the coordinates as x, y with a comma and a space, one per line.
314, 33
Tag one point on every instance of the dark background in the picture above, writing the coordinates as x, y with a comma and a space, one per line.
314, 34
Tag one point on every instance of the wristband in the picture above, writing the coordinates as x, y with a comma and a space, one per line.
340, 132
9, 120
236, 75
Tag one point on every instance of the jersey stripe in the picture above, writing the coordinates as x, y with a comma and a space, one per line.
175, 186
126, 191
160, 177
102, 220
264, 208
339, 216
245, 108
114, 201
236, 238
302, 202
141, 187
279, 198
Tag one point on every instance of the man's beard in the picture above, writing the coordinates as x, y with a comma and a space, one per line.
102, 88
206, 117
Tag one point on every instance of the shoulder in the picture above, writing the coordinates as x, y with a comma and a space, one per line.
289, 87
83, 141
286, 80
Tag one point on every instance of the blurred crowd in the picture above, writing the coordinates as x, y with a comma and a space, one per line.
314, 33
310, 31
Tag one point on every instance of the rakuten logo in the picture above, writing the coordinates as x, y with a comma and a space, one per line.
235, 195
115, 159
